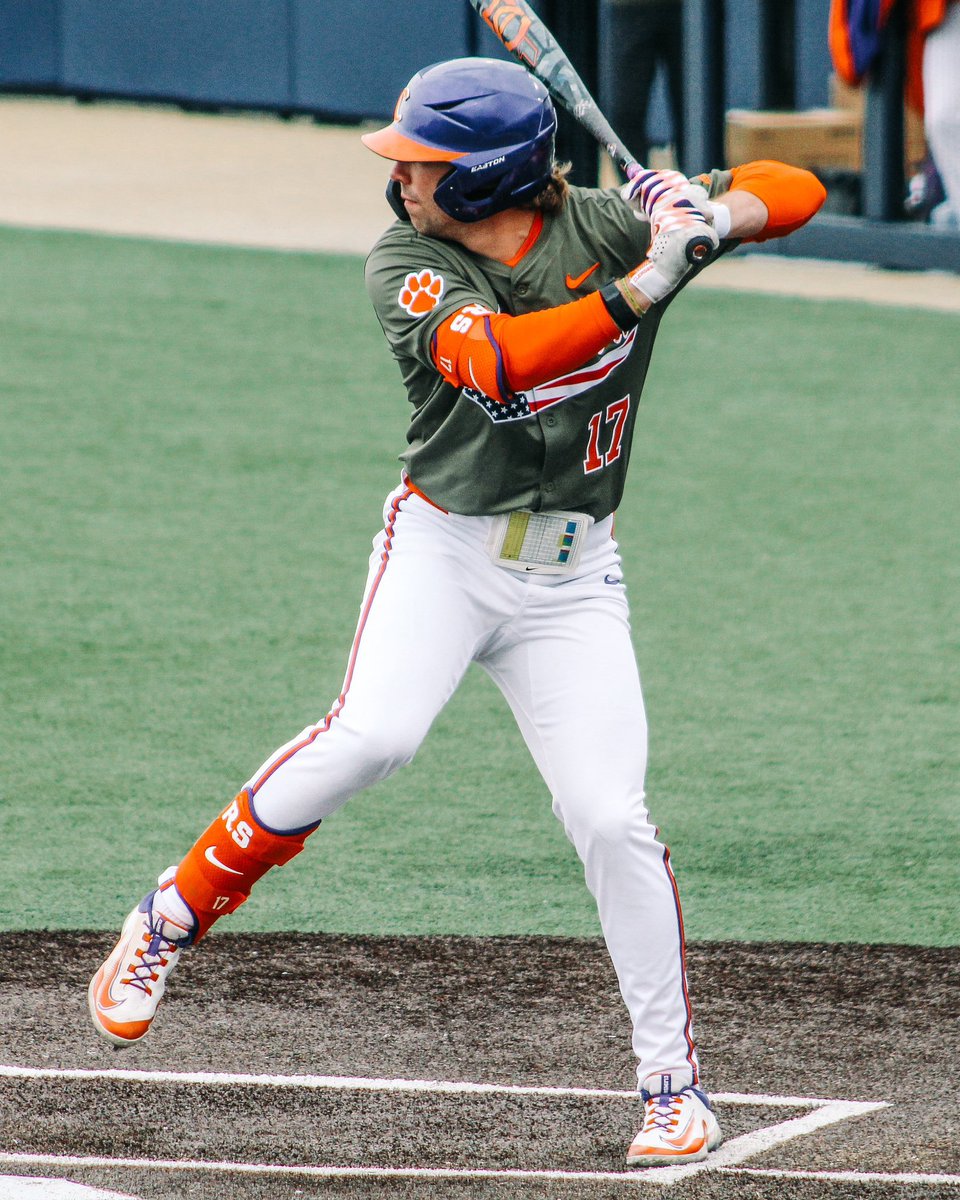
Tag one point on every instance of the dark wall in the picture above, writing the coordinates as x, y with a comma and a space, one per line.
30, 43
353, 60
234, 52
347, 59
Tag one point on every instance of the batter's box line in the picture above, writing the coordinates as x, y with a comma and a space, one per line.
824, 1112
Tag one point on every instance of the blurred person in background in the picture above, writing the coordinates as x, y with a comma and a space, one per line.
635, 39
931, 87
937, 22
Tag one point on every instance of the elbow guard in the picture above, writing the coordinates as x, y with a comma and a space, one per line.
791, 194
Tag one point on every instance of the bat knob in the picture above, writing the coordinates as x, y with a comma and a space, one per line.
699, 250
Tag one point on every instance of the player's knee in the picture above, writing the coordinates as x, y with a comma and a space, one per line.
617, 824
385, 750
616, 821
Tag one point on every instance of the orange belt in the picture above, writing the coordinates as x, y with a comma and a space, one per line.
423, 495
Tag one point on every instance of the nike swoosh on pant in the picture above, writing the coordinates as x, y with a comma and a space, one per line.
210, 854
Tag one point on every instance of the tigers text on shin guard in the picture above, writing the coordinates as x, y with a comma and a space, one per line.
219, 871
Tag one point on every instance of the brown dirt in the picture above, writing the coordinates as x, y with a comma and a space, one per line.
854, 1023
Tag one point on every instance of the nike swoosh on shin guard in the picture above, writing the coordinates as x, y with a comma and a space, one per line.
221, 867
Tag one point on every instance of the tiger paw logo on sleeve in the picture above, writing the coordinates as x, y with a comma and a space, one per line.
421, 292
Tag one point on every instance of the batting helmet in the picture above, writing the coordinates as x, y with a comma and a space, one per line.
492, 121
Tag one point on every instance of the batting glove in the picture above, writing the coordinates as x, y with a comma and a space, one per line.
655, 194
716, 215
666, 264
646, 191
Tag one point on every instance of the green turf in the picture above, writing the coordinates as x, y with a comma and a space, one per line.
196, 443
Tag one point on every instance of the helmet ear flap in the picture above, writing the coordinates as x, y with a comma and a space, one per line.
393, 199
396, 203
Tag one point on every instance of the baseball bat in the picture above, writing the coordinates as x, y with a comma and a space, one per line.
527, 38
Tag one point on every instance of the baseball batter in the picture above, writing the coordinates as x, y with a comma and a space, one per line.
522, 314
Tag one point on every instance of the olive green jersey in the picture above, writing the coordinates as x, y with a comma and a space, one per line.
564, 444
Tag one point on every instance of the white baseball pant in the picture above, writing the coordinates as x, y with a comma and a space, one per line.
559, 648
941, 90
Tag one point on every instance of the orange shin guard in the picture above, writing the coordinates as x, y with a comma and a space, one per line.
225, 862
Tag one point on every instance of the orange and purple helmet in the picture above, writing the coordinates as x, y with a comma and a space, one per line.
491, 120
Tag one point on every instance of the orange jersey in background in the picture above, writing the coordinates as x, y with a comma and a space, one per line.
922, 17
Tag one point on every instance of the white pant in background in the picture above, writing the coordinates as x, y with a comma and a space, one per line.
559, 648
941, 92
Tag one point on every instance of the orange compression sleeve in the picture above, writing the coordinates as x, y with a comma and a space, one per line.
499, 355
791, 195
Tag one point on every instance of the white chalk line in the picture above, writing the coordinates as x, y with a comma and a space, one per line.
747, 1145
313, 1172
33, 1187
363, 1083
853, 1176
726, 1159
657, 1176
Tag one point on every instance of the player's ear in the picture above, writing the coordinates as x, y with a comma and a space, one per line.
393, 199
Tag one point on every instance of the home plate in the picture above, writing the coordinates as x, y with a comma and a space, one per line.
24, 1187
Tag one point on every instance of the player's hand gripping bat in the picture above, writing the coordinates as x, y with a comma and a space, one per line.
525, 35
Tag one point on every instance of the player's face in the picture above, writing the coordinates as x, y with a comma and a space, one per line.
418, 182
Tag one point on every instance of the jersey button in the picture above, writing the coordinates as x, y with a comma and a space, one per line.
522, 288
551, 421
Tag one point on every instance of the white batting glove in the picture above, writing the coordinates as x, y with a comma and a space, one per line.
652, 194
666, 264
716, 215
644, 192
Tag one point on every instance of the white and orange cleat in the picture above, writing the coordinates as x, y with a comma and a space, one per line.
124, 994
678, 1128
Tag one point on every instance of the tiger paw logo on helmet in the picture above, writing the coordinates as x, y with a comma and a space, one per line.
421, 292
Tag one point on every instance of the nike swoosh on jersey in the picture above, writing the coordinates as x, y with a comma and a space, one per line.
574, 283
210, 854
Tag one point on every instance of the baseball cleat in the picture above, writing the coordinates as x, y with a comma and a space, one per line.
678, 1127
124, 994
